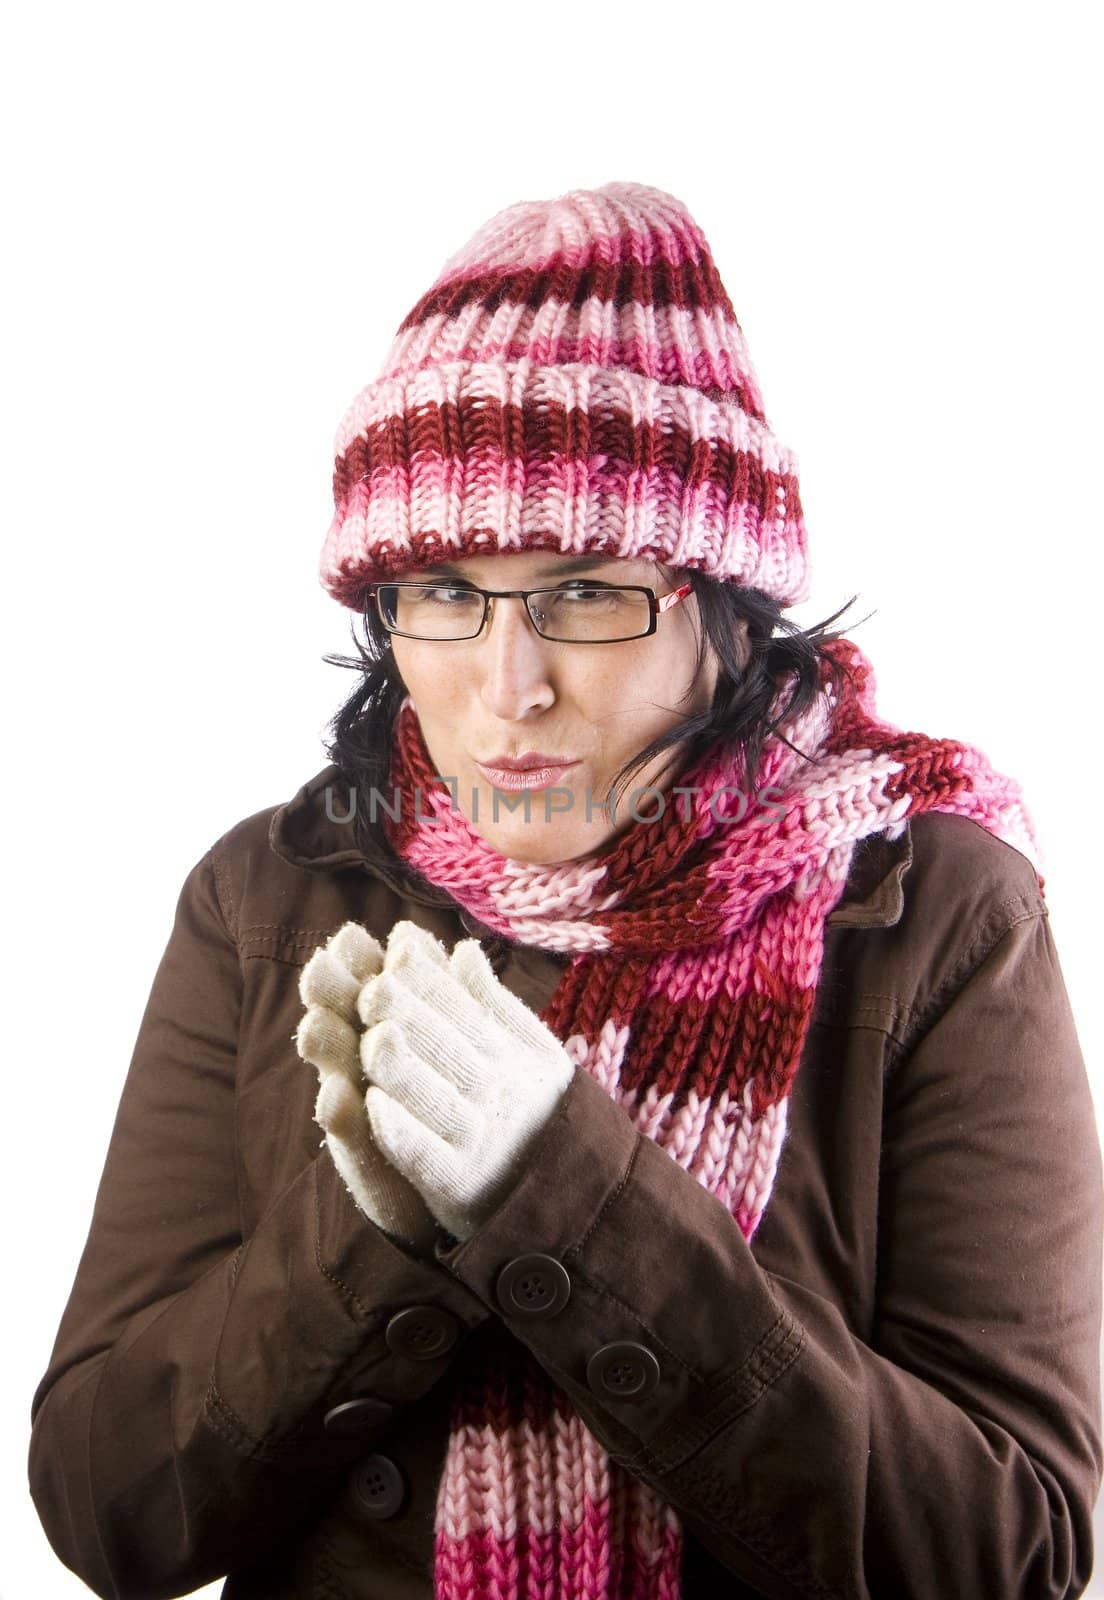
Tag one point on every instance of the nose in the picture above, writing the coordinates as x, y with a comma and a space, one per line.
514, 661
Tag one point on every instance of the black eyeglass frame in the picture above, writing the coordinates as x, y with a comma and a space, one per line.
656, 605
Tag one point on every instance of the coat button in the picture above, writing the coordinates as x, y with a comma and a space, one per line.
622, 1371
378, 1487
422, 1333
364, 1415
533, 1285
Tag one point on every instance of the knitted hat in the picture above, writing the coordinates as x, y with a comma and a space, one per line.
575, 380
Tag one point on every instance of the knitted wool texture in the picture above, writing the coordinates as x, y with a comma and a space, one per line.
696, 944
575, 380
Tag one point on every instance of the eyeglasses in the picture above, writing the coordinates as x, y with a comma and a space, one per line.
589, 613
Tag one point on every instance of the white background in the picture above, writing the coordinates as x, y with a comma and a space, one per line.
216, 217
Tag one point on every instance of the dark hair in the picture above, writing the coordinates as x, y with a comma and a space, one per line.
778, 661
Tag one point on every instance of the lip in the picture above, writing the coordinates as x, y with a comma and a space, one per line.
531, 758
543, 776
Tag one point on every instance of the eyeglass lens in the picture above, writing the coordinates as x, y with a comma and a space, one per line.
437, 611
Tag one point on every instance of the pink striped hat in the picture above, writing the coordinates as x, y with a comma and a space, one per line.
575, 380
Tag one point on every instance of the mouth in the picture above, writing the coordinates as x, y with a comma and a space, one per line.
528, 773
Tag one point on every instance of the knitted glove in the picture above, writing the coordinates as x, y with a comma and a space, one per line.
463, 1075
328, 1037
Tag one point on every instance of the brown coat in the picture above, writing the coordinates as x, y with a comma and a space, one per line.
894, 1392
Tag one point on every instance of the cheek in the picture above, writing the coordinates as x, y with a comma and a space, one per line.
403, 666
707, 685
658, 675
424, 679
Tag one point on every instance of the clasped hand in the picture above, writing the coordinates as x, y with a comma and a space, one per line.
434, 1079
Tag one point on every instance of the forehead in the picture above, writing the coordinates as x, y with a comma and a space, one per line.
539, 566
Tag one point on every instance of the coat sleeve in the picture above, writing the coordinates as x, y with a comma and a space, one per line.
958, 1453
179, 1425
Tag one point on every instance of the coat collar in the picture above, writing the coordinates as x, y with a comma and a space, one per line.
314, 830
873, 896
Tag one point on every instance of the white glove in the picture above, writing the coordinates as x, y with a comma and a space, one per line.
463, 1075
328, 1037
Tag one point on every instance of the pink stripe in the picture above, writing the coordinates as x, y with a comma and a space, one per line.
745, 544
654, 341
616, 390
588, 1561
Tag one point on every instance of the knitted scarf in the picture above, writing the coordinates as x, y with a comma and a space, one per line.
697, 941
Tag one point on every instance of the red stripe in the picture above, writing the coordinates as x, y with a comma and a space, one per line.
691, 285
929, 773
534, 434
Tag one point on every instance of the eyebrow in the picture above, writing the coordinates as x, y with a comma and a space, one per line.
561, 565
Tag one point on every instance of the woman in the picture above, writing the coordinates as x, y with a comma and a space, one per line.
710, 1200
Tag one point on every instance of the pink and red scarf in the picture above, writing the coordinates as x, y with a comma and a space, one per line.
696, 944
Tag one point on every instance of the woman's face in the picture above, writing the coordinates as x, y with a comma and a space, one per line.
509, 692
